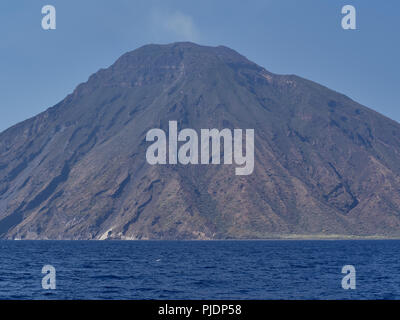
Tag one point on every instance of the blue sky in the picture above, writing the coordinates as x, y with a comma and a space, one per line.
39, 68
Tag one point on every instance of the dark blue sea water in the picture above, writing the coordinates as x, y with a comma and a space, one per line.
199, 270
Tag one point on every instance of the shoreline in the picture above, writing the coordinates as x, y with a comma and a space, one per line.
277, 238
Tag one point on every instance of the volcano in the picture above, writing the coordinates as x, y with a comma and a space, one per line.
324, 165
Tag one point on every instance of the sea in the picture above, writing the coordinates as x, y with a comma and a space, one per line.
220, 270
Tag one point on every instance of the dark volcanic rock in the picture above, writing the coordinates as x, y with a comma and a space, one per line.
324, 164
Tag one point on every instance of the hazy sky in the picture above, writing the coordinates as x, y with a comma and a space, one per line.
38, 68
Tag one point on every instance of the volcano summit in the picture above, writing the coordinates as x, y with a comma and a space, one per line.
324, 165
